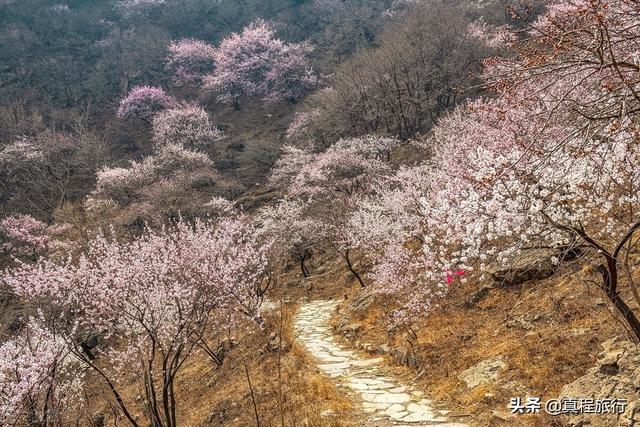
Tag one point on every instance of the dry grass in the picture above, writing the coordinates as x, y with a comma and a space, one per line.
210, 396
548, 332
557, 344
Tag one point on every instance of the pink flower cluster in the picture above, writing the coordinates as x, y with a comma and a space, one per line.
253, 63
190, 60
188, 125
158, 295
26, 235
145, 101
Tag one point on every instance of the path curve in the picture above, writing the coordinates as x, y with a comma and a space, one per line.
387, 401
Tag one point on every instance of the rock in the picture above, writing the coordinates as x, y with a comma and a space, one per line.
533, 264
479, 295
351, 330
484, 372
368, 347
274, 343
384, 349
404, 356
327, 413
576, 332
503, 416
519, 323
615, 375
362, 301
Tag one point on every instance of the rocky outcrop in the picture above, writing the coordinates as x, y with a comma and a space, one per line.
362, 302
405, 356
535, 264
274, 344
616, 375
484, 372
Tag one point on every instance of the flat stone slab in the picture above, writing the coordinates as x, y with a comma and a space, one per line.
383, 397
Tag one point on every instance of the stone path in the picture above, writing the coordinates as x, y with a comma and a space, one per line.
387, 401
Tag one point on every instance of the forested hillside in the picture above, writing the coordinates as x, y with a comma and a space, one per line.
319, 212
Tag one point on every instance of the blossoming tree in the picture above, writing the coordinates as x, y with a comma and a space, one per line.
255, 63
189, 126
550, 162
40, 383
143, 102
333, 182
141, 309
28, 236
294, 234
190, 60
156, 188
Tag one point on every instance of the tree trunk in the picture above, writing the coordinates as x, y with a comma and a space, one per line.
305, 270
609, 274
629, 316
352, 270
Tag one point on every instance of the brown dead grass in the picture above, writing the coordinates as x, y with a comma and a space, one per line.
560, 345
210, 396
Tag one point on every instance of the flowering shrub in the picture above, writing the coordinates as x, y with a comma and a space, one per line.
143, 102
188, 126
257, 64
190, 60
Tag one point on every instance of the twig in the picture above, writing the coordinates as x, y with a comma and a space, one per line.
253, 398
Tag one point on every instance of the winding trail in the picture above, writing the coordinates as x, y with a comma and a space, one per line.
387, 401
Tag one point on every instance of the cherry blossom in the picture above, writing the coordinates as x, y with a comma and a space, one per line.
150, 302
28, 236
292, 232
39, 381
143, 102
339, 177
550, 161
255, 63
190, 60
188, 126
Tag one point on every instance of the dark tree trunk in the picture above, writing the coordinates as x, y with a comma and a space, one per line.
629, 316
609, 274
352, 270
303, 268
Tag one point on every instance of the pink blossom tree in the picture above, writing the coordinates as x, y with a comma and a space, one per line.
190, 60
141, 309
143, 102
255, 63
292, 232
40, 383
549, 162
389, 226
27, 236
189, 126
332, 183
173, 181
